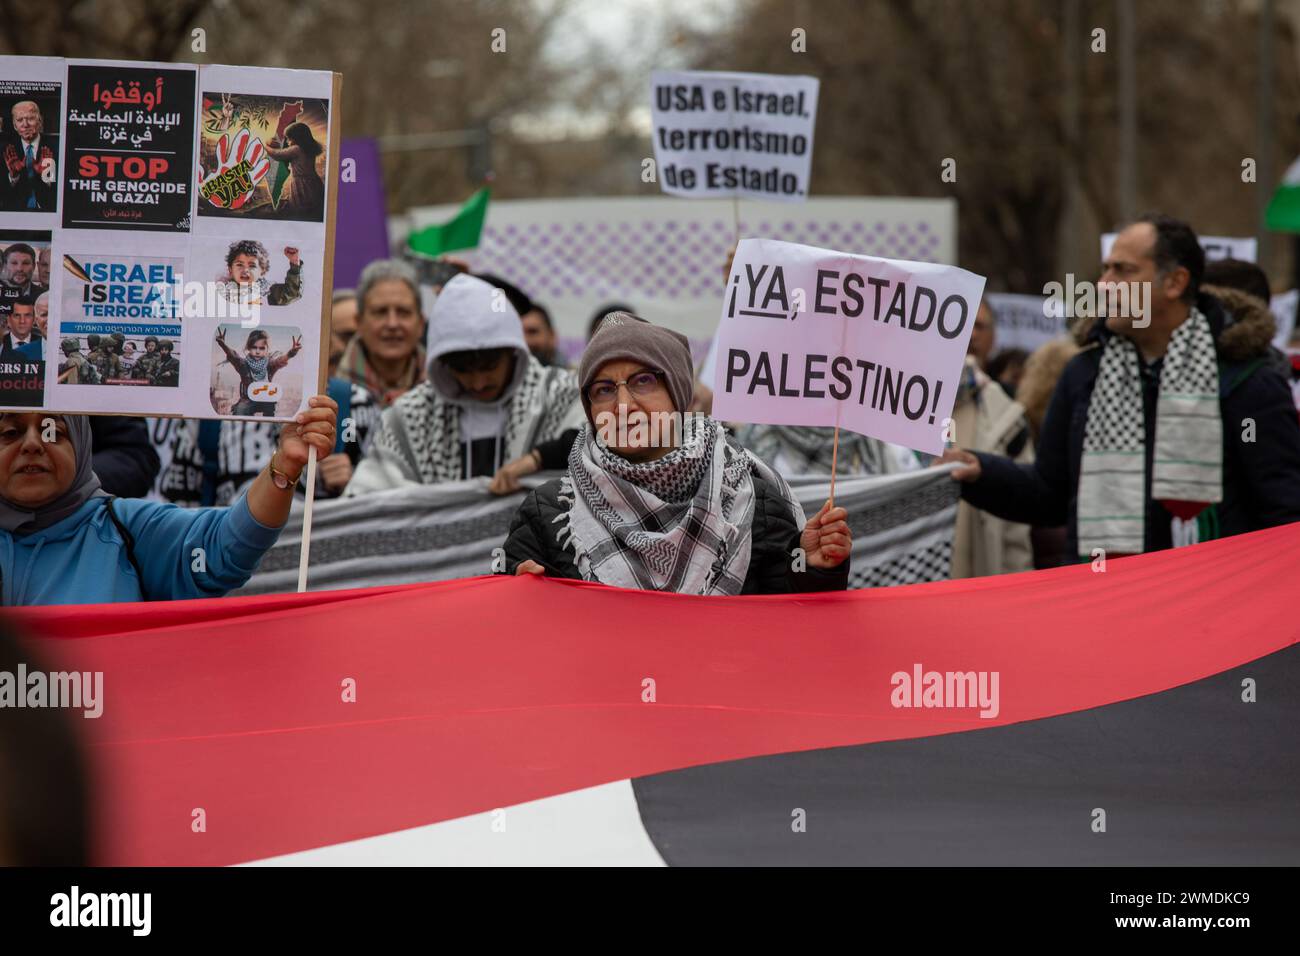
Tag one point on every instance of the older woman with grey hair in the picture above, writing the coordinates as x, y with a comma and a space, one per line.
386, 355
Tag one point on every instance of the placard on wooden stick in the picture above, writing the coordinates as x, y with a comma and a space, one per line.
166, 233
304, 555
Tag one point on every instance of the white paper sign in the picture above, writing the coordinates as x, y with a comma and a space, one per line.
733, 134
1283, 307
814, 337
1025, 321
1216, 247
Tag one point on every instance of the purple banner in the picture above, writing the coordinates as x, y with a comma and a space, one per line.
361, 235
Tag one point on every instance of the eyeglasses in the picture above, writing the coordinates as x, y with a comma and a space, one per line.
640, 384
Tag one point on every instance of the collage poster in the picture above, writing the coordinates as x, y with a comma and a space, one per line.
163, 237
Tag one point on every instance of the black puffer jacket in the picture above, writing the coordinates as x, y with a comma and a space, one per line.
1261, 474
533, 536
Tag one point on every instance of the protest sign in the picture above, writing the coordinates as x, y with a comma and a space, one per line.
167, 237
1216, 247
1283, 307
814, 337
733, 134
1025, 321
130, 142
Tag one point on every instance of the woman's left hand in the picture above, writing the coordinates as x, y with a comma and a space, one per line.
311, 428
826, 538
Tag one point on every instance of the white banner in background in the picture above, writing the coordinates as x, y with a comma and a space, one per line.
1283, 307
733, 134
1025, 321
1216, 247
666, 258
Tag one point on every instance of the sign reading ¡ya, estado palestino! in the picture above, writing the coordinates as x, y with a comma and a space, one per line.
815, 337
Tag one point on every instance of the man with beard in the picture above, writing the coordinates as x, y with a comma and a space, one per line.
146, 366
107, 364
168, 373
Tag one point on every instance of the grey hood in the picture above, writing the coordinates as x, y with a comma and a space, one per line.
470, 314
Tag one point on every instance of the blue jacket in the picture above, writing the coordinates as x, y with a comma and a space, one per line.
83, 559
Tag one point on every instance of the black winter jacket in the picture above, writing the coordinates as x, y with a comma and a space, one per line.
533, 535
122, 455
1261, 478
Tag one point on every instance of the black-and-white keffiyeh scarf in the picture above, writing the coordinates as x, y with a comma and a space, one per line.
246, 293
429, 436
1187, 463
681, 523
257, 366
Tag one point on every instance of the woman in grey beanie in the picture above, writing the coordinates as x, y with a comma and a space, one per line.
656, 498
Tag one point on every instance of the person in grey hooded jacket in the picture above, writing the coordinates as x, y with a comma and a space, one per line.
486, 406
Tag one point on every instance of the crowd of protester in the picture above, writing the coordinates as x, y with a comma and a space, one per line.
1120, 436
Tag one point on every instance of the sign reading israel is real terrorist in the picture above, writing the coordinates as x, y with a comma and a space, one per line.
733, 134
815, 337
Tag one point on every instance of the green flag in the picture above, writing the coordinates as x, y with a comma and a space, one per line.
1283, 213
457, 234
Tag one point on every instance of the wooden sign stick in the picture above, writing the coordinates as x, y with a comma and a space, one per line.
326, 308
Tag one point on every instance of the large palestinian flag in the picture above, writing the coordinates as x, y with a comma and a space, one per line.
1144, 714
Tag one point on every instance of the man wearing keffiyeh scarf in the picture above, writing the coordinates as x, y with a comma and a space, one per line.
1169, 428
681, 508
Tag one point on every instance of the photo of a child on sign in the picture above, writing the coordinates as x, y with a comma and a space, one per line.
254, 380
246, 280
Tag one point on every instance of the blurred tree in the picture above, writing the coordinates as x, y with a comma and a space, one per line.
905, 85
126, 29
908, 84
410, 67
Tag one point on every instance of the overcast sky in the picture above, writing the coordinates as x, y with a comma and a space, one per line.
633, 28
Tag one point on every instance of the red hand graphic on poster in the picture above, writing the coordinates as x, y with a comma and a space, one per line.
242, 163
